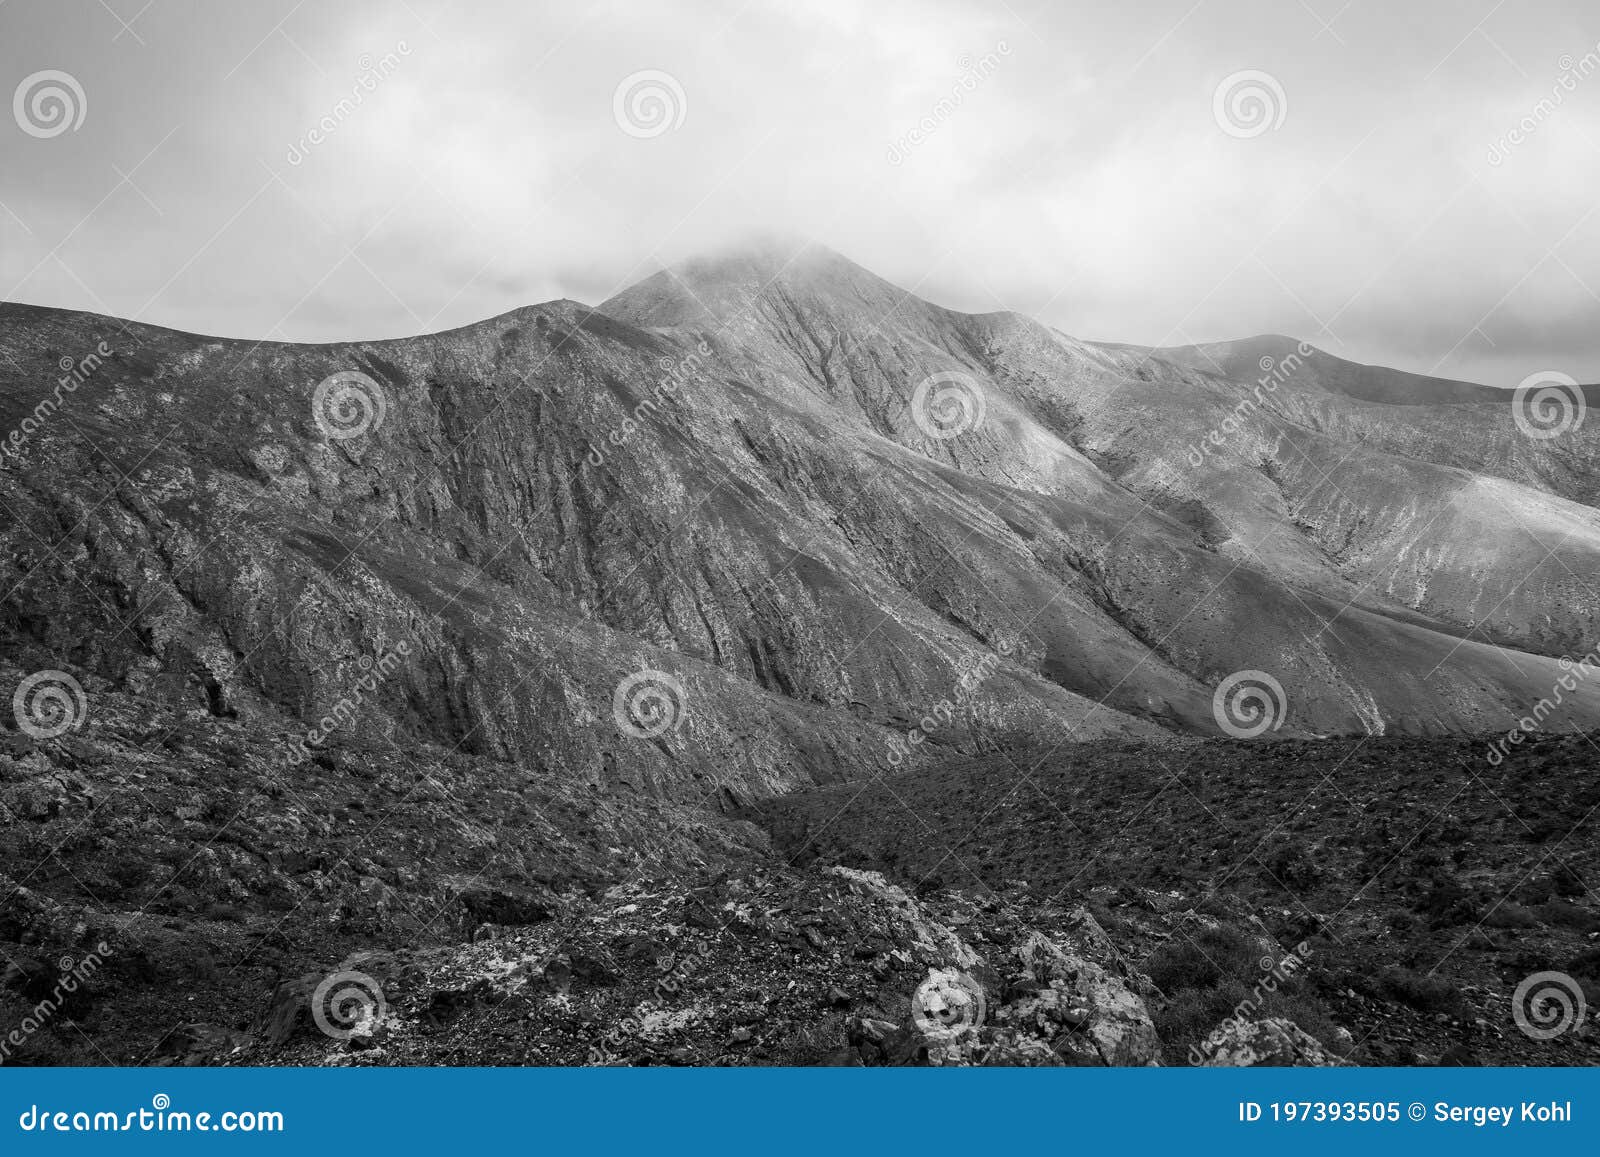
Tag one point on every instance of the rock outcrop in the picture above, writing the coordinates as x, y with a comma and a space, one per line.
1270, 1041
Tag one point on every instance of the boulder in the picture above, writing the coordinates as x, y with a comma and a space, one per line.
38, 977
1013, 1050
1272, 1041
1084, 995
932, 942
190, 1045
874, 1041
289, 1008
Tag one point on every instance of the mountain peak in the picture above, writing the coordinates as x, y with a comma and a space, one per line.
707, 289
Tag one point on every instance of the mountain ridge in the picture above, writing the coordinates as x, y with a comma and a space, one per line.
779, 510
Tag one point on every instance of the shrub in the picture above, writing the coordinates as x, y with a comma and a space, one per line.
1403, 921
1291, 865
1419, 991
1567, 881
1186, 1022
1510, 914
1565, 914
1215, 974
1536, 891
1192, 1015
1585, 969
820, 1043
1204, 958
1448, 904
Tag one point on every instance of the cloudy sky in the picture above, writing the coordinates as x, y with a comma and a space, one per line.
1408, 183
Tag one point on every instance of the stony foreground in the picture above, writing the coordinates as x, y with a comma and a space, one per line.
836, 967
174, 894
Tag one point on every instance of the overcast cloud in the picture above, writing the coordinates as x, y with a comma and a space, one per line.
1079, 173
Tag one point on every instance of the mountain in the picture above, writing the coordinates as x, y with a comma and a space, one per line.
720, 475
549, 619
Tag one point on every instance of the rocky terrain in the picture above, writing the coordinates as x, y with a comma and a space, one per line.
1204, 901
1426, 883
671, 682
1369, 902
